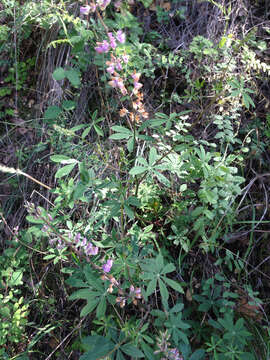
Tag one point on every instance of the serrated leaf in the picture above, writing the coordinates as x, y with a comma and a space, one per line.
68, 105
73, 76
52, 112
64, 171
59, 74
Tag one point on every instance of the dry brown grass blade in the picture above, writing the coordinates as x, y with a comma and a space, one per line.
9, 170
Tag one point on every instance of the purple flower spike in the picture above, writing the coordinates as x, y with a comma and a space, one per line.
103, 47
84, 10
120, 36
107, 267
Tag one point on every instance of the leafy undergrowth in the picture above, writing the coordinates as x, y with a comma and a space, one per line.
135, 180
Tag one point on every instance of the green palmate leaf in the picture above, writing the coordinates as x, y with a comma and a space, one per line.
162, 179
119, 355
97, 347
132, 350
149, 354
136, 170
59, 74
164, 293
129, 212
82, 294
173, 284
247, 100
159, 262
64, 170
130, 144
168, 268
152, 156
58, 158
121, 129
151, 287
101, 309
86, 132
198, 355
98, 130
88, 308
134, 201
34, 220
119, 136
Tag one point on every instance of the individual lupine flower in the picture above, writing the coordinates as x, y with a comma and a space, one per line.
77, 239
136, 84
135, 294
112, 40
110, 69
125, 58
120, 36
103, 4
117, 82
174, 354
83, 242
84, 10
93, 7
136, 76
118, 65
123, 112
45, 228
103, 47
121, 300
107, 266
89, 249
118, 4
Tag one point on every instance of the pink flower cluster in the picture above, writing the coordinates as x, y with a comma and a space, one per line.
105, 46
100, 4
